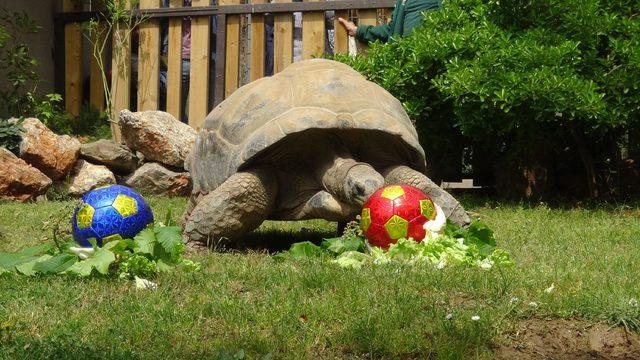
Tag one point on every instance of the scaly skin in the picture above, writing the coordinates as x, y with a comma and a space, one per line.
407, 176
236, 207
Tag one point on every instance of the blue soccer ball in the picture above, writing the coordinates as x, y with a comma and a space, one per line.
110, 213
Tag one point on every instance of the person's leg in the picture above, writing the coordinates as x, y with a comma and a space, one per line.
186, 69
163, 91
268, 34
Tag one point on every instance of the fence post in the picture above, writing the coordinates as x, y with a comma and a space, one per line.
199, 76
96, 85
174, 64
72, 60
257, 43
232, 50
312, 33
366, 17
340, 35
120, 74
282, 40
148, 59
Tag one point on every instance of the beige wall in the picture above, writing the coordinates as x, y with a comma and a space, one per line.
41, 43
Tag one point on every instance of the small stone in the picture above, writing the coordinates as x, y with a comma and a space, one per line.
87, 176
50, 153
158, 136
20, 181
116, 157
155, 179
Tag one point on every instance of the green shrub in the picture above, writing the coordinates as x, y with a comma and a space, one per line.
18, 97
89, 122
10, 134
534, 86
17, 67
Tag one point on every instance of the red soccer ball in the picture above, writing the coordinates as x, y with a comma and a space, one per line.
394, 212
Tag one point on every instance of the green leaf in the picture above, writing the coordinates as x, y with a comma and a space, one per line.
352, 259
162, 266
56, 264
9, 261
120, 246
100, 261
305, 249
168, 219
170, 238
28, 268
340, 245
145, 241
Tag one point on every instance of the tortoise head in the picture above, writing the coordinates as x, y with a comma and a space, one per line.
360, 182
350, 181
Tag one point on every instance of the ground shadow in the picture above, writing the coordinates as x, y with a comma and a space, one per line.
276, 236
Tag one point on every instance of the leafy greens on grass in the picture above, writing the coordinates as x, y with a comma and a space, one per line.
155, 249
474, 246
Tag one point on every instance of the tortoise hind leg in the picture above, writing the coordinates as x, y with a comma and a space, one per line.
236, 207
406, 176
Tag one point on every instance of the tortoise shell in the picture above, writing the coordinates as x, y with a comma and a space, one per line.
313, 94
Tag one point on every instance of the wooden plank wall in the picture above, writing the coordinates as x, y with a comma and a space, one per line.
257, 44
72, 60
313, 34
366, 17
313, 45
149, 60
232, 66
174, 64
120, 75
282, 40
340, 36
96, 86
199, 77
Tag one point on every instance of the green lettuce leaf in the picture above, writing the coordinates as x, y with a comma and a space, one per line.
100, 261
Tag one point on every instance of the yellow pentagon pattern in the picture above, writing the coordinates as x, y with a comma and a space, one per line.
427, 209
392, 192
397, 227
106, 239
85, 216
125, 205
365, 219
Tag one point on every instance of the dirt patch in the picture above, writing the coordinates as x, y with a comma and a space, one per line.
567, 339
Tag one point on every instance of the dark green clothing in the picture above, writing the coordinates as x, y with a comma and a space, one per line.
406, 16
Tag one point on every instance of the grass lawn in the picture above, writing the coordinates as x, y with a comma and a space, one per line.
587, 260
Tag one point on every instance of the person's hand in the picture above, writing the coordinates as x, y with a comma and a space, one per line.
350, 26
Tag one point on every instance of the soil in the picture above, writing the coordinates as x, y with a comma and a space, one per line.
567, 339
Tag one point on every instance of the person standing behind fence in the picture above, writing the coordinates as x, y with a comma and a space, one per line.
406, 16
186, 59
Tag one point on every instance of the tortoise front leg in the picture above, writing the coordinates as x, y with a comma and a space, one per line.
404, 175
235, 208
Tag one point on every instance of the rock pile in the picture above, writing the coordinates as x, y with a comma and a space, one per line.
151, 159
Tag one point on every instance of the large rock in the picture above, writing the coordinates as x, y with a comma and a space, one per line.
50, 153
158, 136
155, 179
87, 176
19, 180
106, 152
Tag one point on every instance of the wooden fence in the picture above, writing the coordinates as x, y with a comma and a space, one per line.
238, 59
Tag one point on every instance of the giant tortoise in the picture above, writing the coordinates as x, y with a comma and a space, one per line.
313, 141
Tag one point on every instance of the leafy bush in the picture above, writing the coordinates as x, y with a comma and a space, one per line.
90, 121
10, 134
18, 98
17, 67
534, 87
